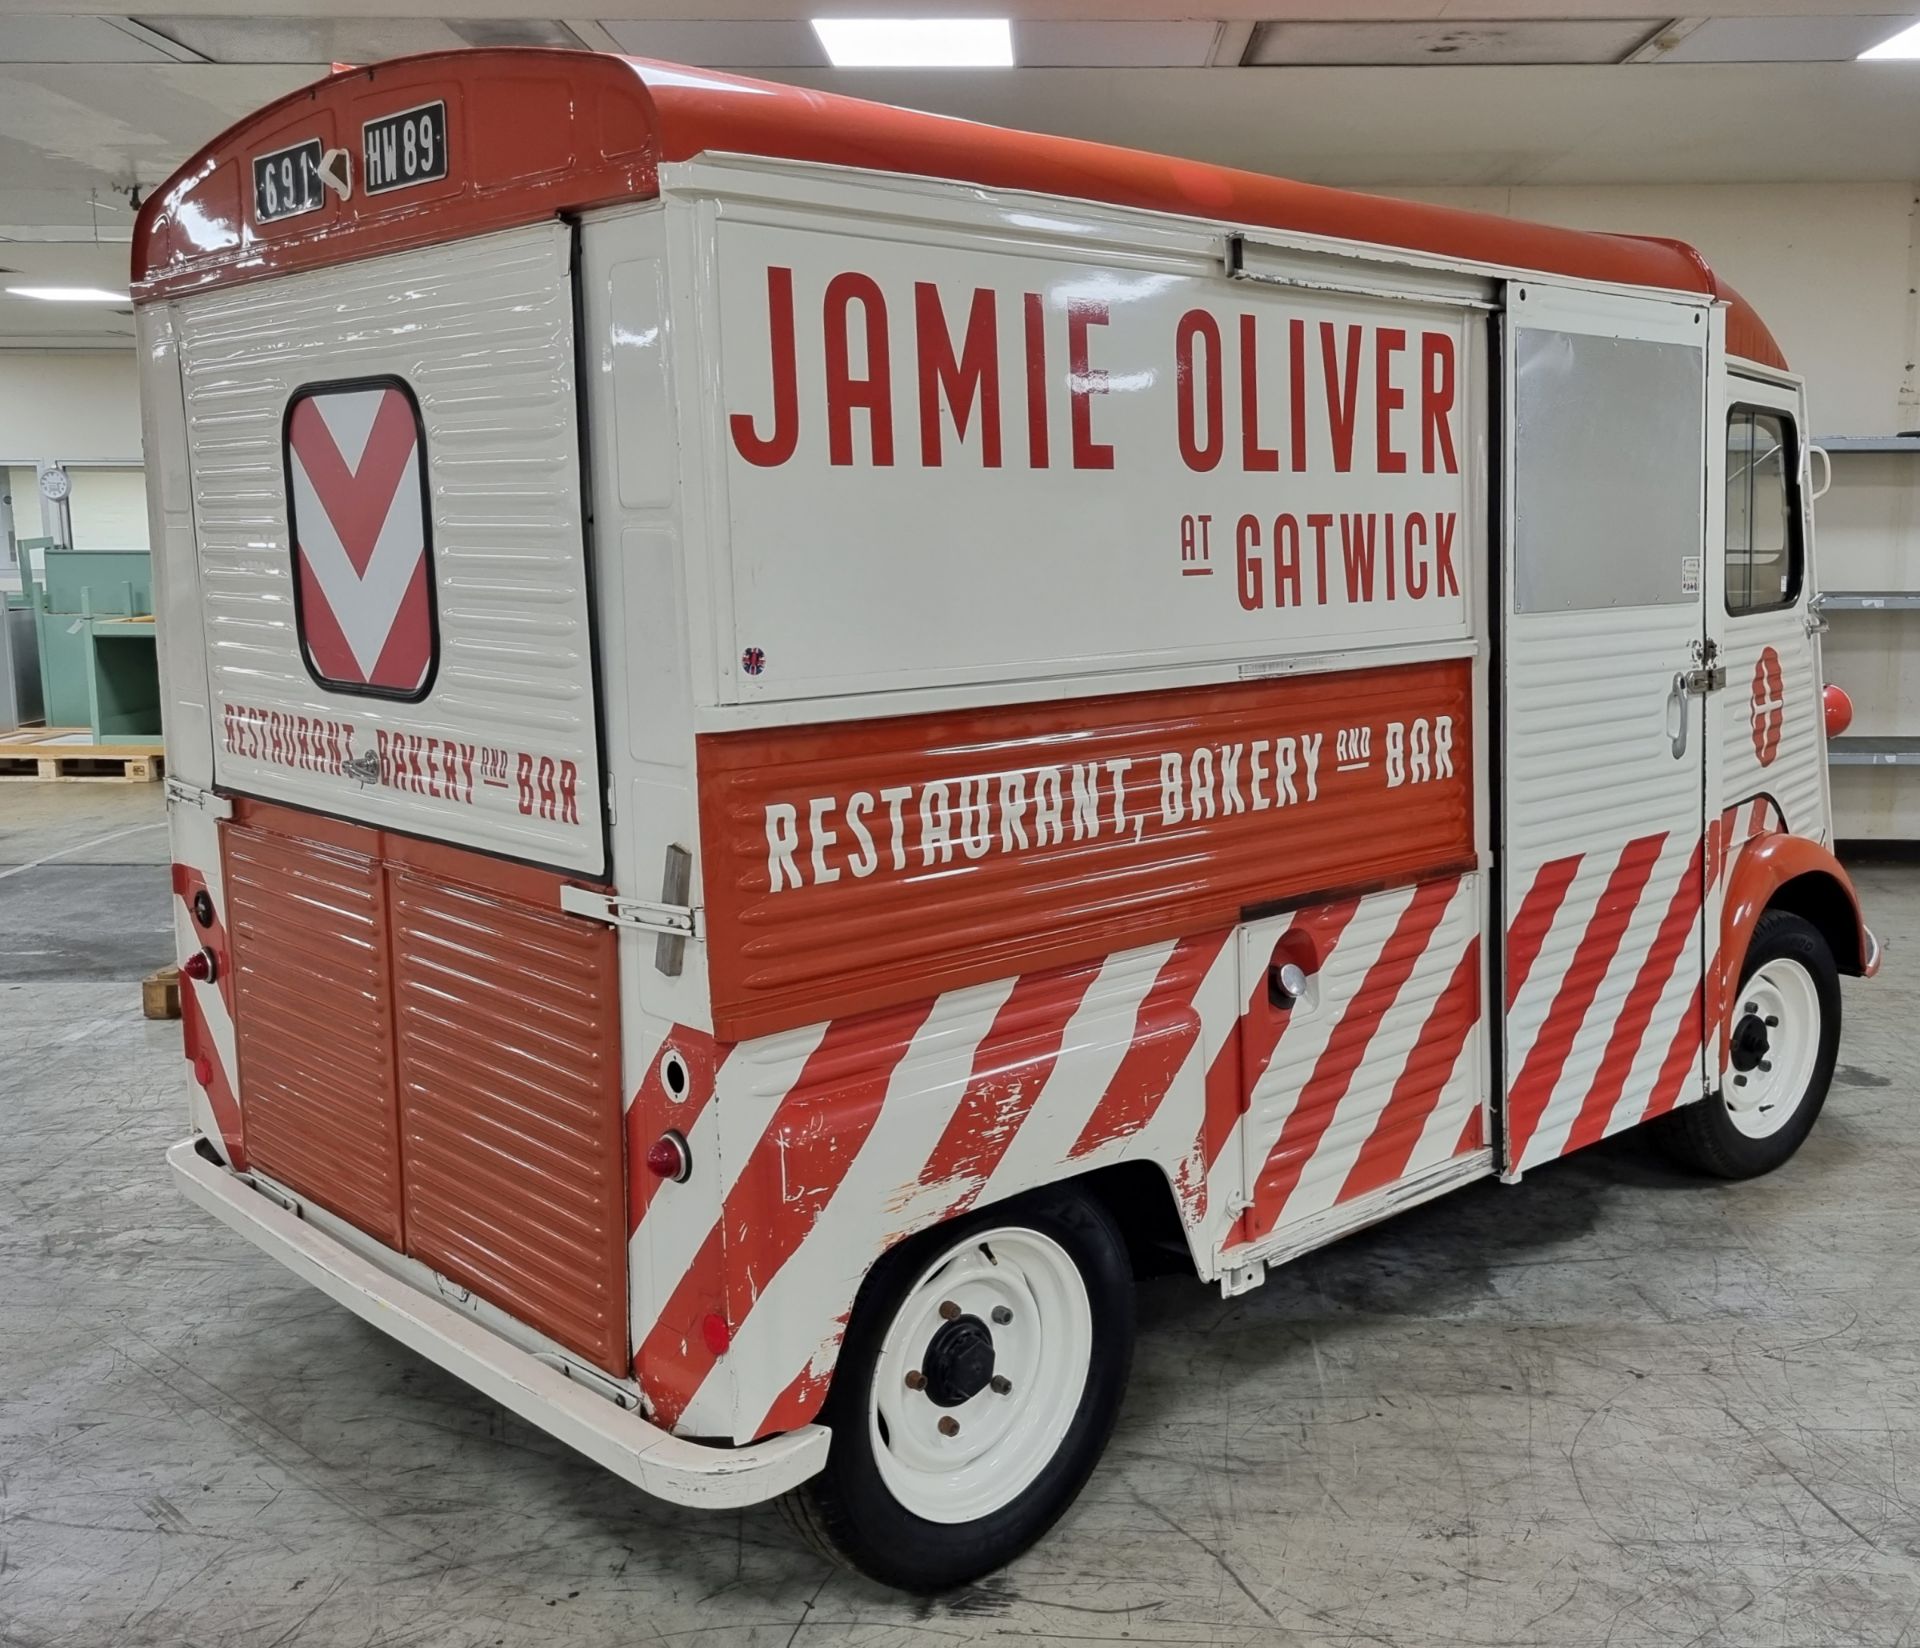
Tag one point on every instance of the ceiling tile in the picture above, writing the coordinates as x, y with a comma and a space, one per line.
722, 45
318, 40
1184, 44
72, 40
1783, 39
1525, 41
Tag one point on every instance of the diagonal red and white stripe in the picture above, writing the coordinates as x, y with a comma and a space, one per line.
833, 1142
1604, 975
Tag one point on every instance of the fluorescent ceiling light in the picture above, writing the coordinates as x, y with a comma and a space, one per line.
1904, 44
916, 42
68, 294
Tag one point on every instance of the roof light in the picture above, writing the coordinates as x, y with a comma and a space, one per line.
1905, 44
916, 42
68, 294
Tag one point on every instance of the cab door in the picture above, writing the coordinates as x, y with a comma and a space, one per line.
1766, 765
1603, 754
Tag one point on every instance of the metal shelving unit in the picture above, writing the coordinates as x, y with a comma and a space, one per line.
1868, 443
1874, 752
1876, 792
1869, 600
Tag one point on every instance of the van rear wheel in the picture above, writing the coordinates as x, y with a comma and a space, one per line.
1784, 1040
981, 1375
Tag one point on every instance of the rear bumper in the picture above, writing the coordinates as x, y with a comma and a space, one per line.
669, 1467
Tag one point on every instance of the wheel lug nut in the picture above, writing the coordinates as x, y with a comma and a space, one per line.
1772, 1022
1739, 1081
1766, 1064
1001, 1384
949, 1426
948, 1310
1001, 1315
916, 1380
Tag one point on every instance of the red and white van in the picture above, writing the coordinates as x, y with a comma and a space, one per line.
789, 723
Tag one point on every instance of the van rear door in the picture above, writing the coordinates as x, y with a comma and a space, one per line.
386, 472
387, 495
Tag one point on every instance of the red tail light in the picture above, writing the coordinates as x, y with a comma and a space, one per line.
669, 1157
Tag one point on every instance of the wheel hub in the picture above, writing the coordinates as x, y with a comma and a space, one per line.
1750, 1043
958, 1363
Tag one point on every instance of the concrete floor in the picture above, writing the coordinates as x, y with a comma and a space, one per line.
1611, 1406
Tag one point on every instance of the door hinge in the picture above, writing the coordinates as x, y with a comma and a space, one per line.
643, 914
181, 793
1816, 619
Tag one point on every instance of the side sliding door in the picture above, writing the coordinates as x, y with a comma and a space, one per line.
1603, 754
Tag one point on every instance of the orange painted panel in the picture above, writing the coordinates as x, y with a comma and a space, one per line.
530, 134
314, 1023
855, 866
431, 1050
509, 1072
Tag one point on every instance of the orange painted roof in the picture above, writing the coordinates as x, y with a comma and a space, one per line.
538, 132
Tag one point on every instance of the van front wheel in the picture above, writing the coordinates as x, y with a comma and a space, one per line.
980, 1378
1783, 1041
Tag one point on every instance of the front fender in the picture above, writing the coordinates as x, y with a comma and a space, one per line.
1775, 870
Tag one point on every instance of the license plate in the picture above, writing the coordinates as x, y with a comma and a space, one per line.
287, 182
400, 150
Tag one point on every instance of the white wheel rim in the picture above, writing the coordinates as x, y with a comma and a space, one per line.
1782, 1000
1025, 1290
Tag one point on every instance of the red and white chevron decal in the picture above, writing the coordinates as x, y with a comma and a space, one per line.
357, 510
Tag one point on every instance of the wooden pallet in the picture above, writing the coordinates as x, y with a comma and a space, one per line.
160, 994
52, 753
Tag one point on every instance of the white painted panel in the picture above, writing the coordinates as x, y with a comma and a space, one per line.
880, 545
500, 754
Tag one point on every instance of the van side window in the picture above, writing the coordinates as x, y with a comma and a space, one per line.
1764, 556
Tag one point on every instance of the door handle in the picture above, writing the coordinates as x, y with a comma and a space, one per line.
1678, 715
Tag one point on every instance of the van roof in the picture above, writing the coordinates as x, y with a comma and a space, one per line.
535, 132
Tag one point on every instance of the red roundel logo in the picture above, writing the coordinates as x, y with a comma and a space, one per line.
1767, 707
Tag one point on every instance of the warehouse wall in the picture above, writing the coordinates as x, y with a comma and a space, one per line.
75, 405
1830, 267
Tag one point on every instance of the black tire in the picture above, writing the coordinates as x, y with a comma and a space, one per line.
1705, 1135
848, 1511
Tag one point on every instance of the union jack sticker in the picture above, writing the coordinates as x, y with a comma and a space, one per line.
753, 660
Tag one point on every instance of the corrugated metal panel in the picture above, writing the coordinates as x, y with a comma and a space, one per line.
314, 1023
930, 852
1605, 761
1379, 1055
509, 1077
1785, 725
482, 334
